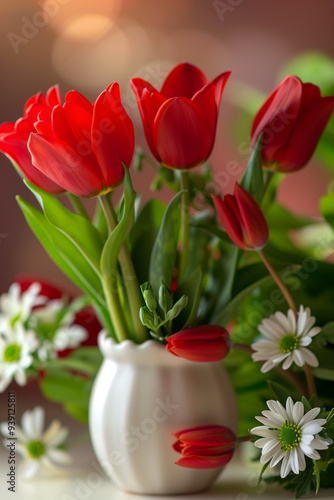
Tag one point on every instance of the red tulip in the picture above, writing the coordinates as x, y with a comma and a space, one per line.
242, 219
14, 138
205, 447
180, 121
204, 343
291, 120
82, 146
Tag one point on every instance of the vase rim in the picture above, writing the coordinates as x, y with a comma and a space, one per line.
149, 352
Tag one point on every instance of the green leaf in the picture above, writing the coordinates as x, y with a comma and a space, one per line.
318, 467
306, 404
191, 287
225, 315
252, 180
100, 222
69, 380
66, 256
79, 230
116, 238
324, 373
164, 251
143, 236
280, 219
280, 392
327, 208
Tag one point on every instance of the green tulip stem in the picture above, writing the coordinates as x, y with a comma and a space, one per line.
78, 205
185, 224
114, 306
129, 275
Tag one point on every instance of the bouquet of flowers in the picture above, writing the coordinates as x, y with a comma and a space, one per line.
211, 276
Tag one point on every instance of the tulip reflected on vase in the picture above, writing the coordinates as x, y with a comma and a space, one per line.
84, 147
242, 219
204, 343
291, 120
180, 121
14, 138
205, 447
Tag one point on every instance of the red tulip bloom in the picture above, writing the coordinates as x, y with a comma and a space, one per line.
82, 146
242, 219
204, 343
205, 447
180, 121
14, 138
291, 120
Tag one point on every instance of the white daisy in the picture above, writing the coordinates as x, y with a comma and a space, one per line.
289, 435
16, 355
16, 306
286, 340
40, 450
66, 337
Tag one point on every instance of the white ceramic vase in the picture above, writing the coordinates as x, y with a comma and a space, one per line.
141, 396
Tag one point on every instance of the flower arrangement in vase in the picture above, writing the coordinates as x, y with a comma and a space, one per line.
167, 282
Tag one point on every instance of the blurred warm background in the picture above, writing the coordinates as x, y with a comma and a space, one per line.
85, 44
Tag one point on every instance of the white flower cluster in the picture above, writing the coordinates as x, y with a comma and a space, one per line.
41, 451
27, 332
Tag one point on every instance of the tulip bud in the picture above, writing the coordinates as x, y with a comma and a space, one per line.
205, 447
242, 219
204, 343
177, 308
147, 318
150, 300
165, 298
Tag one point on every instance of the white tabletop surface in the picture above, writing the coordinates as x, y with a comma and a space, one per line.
84, 480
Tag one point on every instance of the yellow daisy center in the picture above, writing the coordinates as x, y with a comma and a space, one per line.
290, 436
289, 343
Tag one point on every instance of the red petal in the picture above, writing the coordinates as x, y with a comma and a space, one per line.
112, 138
305, 136
229, 220
30, 102
63, 165
76, 98
183, 81
6, 127
198, 462
178, 446
208, 451
208, 435
53, 96
23, 125
181, 135
15, 147
149, 102
113, 88
220, 82
208, 332
205, 100
253, 221
276, 118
